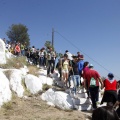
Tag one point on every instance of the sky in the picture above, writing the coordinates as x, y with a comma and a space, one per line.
89, 26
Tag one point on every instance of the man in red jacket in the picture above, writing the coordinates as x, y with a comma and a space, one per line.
92, 79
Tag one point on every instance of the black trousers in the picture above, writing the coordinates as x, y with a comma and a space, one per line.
50, 66
94, 92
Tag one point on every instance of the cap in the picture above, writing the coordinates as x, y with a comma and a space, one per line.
66, 51
91, 65
81, 57
110, 75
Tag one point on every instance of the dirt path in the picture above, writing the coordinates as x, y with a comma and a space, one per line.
34, 108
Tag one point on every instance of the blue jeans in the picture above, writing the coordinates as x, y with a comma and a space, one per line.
41, 60
76, 81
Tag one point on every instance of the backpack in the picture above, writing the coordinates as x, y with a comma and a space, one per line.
92, 82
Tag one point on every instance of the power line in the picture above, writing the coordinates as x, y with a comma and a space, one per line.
85, 53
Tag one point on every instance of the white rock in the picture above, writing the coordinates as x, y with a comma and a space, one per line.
85, 107
16, 82
33, 83
82, 101
9, 54
24, 71
2, 52
46, 80
49, 81
43, 72
82, 95
43, 79
51, 104
59, 99
63, 101
49, 96
5, 92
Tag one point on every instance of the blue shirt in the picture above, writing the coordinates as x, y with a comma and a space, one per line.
80, 66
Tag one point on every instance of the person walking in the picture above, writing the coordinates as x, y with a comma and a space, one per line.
80, 66
75, 75
51, 56
92, 79
110, 93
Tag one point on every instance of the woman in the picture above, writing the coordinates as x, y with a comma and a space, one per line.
65, 69
110, 93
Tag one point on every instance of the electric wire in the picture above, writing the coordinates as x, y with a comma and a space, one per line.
84, 53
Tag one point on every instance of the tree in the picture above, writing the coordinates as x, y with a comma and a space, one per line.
48, 44
18, 33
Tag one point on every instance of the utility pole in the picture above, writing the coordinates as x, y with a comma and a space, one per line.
53, 37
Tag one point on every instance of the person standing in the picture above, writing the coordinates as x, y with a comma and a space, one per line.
65, 69
80, 66
17, 49
51, 56
41, 58
86, 68
110, 93
92, 79
75, 74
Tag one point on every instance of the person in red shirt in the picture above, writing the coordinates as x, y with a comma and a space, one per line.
110, 93
92, 79
17, 49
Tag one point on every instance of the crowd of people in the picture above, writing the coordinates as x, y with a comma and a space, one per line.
73, 68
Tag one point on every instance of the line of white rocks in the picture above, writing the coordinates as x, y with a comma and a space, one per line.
13, 83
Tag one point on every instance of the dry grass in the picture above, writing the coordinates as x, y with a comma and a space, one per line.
7, 73
33, 70
34, 108
26, 92
16, 62
46, 87
7, 106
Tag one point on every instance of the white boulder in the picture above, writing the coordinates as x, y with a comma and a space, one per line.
2, 52
24, 70
59, 99
33, 83
49, 96
46, 80
5, 92
16, 82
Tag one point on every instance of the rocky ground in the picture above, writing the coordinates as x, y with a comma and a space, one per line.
33, 108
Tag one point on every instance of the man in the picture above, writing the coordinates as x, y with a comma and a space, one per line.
75, 74
80, 66
51, 56
92, 78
